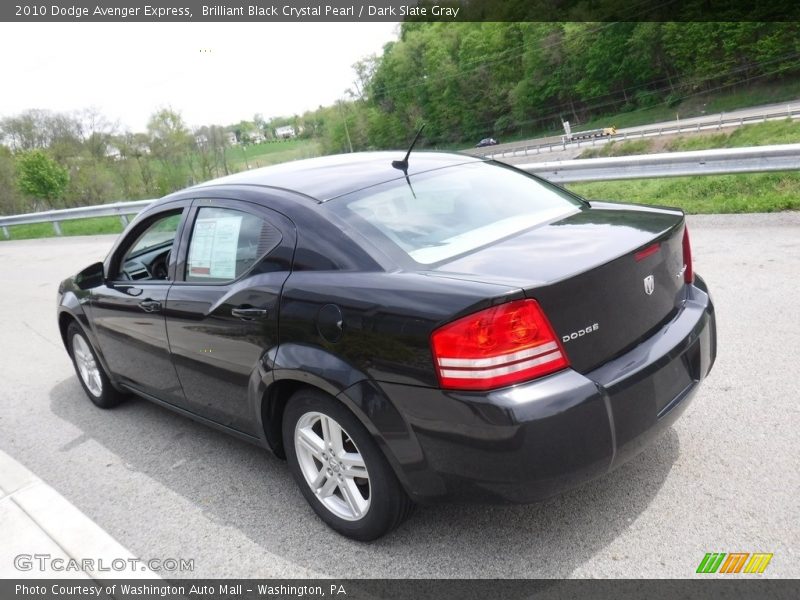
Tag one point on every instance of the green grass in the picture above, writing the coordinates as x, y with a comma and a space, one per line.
271, 153
758, 134
95, 226
756, 192
752, 95
618, 149
699, 105
642, 116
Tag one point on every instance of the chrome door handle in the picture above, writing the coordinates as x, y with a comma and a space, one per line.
150, 305
247, 313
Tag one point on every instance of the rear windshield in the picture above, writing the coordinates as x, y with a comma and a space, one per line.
441, 214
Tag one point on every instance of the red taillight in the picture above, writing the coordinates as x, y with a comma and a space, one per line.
688, 271
649, 251
495, 347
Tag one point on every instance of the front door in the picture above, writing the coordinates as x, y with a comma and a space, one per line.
128, 311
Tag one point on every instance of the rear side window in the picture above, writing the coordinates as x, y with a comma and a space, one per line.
226, 243
441, 214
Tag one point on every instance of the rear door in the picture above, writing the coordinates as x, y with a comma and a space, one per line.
222, 311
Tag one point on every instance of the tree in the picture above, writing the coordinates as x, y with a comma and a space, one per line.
171, 144
364, 69
26, 131
41, 177
262, 125
10, 198
245, 131
96, 132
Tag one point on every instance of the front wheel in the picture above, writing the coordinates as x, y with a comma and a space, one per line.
90, 372
340, 469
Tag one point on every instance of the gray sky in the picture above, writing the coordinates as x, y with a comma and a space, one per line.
129, 70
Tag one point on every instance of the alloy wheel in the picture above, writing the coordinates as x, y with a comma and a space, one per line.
87, 367
332, 466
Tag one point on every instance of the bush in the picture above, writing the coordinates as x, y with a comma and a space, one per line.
646, 99
40, 177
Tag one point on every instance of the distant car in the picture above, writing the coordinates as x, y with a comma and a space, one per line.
486, 142
455, 329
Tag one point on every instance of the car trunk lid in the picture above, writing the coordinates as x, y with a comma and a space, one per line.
607, 276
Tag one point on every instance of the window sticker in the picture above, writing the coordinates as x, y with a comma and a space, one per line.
213, 248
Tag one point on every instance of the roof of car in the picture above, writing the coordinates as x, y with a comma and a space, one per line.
331, 176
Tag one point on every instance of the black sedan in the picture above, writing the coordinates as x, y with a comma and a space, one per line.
449, 327
486, 142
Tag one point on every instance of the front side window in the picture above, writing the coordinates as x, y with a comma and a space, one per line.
147, 257
225, 243
441, 214
160, 232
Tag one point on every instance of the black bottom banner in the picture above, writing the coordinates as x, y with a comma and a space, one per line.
418, 589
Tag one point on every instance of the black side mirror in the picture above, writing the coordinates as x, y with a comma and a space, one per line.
92, 276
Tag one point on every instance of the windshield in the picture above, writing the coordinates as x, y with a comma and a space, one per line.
448, 212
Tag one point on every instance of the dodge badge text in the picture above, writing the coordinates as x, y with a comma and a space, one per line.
580, 333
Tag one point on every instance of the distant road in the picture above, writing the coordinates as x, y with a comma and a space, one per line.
742, 113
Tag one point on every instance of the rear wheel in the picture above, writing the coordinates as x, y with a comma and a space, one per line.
93, 378
340, 469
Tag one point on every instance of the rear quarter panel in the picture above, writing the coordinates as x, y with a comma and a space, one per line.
386, 322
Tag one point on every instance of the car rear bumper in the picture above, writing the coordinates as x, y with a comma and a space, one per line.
532, 441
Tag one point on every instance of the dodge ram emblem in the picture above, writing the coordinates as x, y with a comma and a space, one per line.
649, 285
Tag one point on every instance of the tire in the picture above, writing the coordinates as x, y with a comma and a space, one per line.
91, 374
362, 508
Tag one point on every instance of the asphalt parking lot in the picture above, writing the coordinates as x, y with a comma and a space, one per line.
724, 478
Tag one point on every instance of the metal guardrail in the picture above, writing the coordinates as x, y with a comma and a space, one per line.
784, 157
121, 209
791, 112
758, 159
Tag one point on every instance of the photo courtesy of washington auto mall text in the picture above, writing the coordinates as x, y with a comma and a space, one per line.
182, 590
